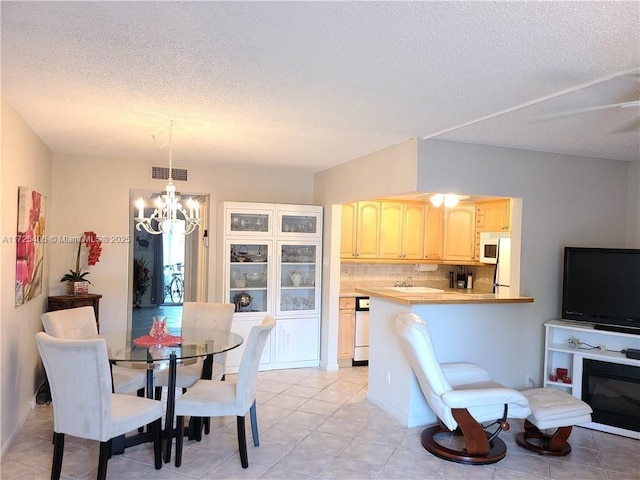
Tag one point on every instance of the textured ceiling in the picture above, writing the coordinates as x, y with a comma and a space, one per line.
315, 84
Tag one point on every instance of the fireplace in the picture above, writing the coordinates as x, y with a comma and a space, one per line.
613, 392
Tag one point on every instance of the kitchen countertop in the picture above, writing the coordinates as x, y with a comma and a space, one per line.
448, 296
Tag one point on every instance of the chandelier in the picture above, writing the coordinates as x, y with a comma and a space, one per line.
165, 216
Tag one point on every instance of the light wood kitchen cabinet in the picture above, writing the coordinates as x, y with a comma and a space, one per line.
360, 230
346, 328
459, 233
402, 230
493, 216
434, 233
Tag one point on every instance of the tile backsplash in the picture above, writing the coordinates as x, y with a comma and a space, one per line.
354, 275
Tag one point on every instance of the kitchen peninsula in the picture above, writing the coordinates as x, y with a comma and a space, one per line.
479, 327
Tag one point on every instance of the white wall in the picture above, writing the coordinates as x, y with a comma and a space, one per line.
25, 161
566, 200
93, 193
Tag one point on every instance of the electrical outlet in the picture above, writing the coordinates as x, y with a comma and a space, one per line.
529, 382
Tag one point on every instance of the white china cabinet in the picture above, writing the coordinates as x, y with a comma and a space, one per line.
270, 265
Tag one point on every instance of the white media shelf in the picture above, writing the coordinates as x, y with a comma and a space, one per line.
558, 354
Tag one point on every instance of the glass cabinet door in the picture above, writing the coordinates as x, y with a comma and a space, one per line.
298, 277
299, 224
248, 222
303, 221
248, 276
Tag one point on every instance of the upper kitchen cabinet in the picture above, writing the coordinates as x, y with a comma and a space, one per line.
402, 230
459, 233
360, 230
434, 232
493, 216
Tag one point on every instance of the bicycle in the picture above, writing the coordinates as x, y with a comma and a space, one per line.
175, 289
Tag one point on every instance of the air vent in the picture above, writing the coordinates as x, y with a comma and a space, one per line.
162, 173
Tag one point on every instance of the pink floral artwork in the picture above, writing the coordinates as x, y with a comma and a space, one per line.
29, 244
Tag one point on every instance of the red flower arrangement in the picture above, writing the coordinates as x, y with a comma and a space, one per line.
141, 276
90, 239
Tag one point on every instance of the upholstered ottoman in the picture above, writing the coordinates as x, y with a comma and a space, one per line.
551, 408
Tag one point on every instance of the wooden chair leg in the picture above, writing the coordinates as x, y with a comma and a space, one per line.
156, 429
558, 441
58, 451
105, 453
140, 393
474, 435
478, 449
254, 424
242, 442
179, 439
535, 440
207, 425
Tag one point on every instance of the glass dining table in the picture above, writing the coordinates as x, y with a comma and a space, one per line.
150, 353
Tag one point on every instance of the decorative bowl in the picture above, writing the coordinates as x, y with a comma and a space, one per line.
255, 277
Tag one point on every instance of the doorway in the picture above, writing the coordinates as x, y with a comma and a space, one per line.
166, 271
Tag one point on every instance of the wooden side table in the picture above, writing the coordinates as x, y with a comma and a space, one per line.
62, 302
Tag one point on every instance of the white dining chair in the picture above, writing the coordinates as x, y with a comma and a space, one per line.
80, 323
217, 316
83, 403
209, 398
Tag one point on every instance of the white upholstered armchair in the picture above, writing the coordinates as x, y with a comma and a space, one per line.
462, 396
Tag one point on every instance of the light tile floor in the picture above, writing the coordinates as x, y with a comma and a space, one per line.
318, 425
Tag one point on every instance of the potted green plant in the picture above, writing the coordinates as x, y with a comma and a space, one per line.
77, 283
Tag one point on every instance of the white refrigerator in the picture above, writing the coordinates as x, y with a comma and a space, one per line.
502, 276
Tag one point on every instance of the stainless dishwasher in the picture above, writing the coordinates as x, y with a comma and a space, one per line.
361, 355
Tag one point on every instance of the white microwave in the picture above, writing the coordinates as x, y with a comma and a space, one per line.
489, 246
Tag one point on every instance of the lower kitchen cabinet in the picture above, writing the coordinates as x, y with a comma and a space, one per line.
347, 329
294, 343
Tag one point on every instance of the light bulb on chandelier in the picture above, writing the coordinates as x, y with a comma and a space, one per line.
168, 207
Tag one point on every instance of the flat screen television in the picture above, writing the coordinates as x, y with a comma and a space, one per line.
602, 286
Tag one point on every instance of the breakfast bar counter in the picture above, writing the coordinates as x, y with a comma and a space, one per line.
427, 296
481, 328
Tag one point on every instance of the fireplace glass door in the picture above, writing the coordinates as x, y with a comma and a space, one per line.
613, 392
